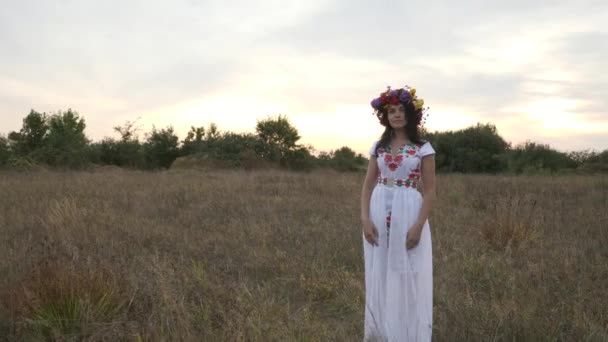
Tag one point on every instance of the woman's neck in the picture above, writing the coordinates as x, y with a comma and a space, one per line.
399, 135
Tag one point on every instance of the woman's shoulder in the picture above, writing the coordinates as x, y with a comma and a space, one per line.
425, 147
373, 151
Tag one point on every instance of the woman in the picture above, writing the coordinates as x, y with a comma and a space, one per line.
397, 236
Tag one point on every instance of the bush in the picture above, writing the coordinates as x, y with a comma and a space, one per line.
230, 146
278, 138
476, 149
342, 159
31, 138
120, 153
596, 162
5, 152
535, 158
161, 148
299, 159
274, 144
22, 163
223, 150
195, 140
66, 144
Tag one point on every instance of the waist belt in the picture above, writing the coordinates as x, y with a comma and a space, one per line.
398, 182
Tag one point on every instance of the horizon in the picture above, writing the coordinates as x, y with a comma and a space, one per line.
534, 71
141, 133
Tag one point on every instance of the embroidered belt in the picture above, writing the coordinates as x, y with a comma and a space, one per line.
399, 182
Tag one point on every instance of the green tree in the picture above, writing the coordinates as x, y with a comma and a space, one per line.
120, 153
299, 158
476, 149
580, 157
324, 159
66, 143
345, 159
5, 152
212, 132
278, 137
596, 162
126, 152
128, 131
31, 138
532, 157
194, 142
161, 148
229, 145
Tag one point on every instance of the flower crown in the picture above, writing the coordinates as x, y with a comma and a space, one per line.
396, 96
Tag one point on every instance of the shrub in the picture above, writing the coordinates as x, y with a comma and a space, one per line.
66, 144
534, 158
5, 152
161, 148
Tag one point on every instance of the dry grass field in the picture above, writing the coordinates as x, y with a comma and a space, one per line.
118, 255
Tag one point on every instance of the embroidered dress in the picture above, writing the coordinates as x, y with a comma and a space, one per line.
398, 281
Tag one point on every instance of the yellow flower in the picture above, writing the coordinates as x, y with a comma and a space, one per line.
413, 91
419, 103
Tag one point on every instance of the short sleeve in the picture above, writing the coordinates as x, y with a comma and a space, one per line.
372, 150
426, 149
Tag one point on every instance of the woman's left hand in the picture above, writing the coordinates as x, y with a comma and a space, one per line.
413, 236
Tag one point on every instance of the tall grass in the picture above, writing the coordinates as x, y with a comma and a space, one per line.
271, 255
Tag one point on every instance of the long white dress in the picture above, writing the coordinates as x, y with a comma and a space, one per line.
398, 282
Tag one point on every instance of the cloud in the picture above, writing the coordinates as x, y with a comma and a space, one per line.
471, 60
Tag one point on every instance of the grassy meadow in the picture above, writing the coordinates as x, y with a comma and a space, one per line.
116, 255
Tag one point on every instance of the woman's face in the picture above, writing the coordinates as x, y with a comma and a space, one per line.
396, 116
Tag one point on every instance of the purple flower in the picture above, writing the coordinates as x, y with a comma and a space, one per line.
405, 96
376, 103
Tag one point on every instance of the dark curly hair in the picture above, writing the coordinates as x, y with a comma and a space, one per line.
413, 117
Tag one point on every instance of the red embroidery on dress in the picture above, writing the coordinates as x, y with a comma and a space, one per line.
393, 163
405, 151
415, 174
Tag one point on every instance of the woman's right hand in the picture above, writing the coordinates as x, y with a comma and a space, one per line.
370, 232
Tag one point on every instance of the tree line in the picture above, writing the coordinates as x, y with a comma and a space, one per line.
59, 140
480, 149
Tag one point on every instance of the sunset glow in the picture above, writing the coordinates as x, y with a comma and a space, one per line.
319, 64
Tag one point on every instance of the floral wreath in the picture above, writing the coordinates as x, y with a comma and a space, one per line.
396, 96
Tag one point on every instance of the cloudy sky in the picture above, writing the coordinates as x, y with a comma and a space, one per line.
538, 70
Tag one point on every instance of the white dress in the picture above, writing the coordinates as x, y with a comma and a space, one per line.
398, 282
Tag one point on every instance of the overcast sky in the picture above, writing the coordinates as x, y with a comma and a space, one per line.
538, 70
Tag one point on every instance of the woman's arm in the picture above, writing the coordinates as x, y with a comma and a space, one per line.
368, 187
428, 193
428, 188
